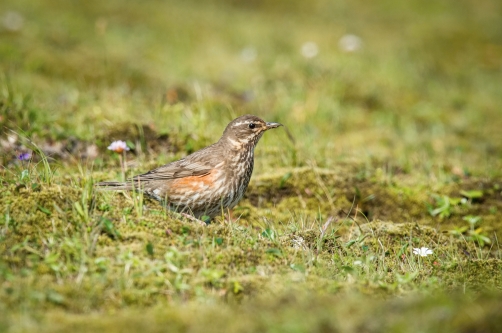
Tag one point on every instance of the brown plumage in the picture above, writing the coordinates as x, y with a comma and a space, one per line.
209, 180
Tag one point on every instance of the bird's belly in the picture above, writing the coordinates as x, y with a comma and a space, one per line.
207, 195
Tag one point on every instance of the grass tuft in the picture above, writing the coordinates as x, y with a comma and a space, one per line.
390, 145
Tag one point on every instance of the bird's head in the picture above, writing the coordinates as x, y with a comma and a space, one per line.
246, 130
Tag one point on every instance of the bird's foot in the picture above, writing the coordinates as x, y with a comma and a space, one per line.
194, 219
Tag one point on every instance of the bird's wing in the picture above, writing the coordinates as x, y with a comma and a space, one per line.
178, 169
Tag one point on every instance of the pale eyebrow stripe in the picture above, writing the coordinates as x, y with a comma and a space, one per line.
243, 122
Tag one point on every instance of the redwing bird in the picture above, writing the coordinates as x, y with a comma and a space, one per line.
209, 180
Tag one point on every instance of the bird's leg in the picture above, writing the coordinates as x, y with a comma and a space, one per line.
194, 219
182, 214
228, 216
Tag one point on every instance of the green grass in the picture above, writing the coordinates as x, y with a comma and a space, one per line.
393, 147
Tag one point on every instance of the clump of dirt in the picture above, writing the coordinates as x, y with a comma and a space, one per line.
176, 94
144, 138
19, 150
30, 209
316, 193
477, 274
336, 193
474, 197
140, 139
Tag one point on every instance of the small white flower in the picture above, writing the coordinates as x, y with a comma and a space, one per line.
423, 251
309, 49
298, 242
350, 43
12, 138
248, 54
358, 263
118, 146
13, 21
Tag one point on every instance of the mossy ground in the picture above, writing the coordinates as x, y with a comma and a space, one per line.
391, 147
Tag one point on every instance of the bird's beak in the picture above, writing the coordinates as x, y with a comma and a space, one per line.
273, 125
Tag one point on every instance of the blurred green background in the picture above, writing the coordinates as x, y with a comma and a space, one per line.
412, 83
404, 95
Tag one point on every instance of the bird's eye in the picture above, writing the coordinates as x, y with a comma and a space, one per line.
252, 125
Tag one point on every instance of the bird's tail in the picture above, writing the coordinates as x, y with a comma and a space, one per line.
113, 186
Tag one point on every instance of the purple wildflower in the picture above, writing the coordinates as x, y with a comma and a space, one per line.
24, 156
